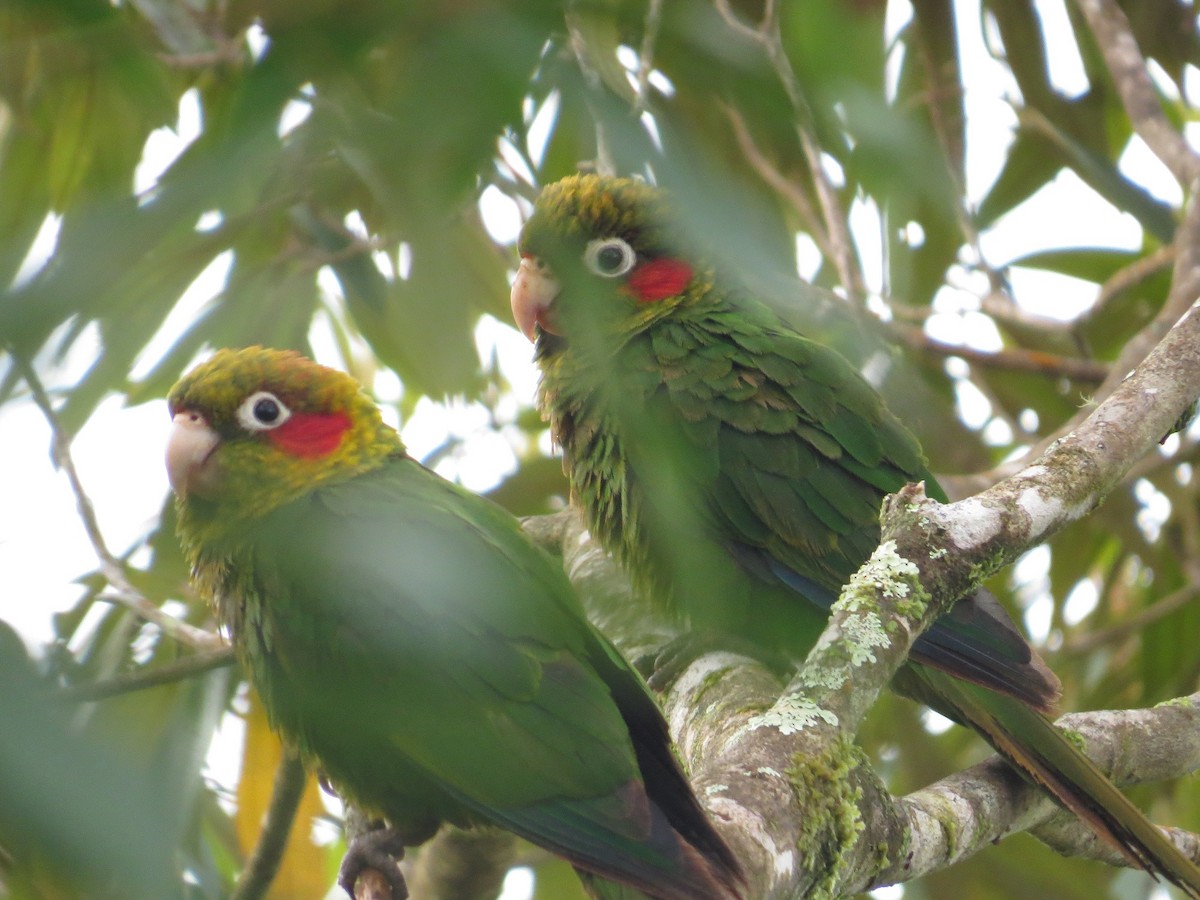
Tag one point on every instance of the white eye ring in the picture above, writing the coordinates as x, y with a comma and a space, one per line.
262, 411
609, 257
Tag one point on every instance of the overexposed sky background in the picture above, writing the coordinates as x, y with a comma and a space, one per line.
119, 453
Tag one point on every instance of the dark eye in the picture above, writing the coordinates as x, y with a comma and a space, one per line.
262, 411
609, 257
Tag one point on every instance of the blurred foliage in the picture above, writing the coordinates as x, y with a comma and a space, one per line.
334, 189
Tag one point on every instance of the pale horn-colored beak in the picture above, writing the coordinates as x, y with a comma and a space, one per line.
533, 293
189, 454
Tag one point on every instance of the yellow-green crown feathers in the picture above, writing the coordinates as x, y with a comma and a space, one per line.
256, 471
588, 206
217, 387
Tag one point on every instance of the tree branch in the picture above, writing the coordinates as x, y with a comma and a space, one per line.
1015, 359
1185, 289
465, 865
113, 570
1138, 95
127, 682
988, 531
260, 869
800, 805
989, 801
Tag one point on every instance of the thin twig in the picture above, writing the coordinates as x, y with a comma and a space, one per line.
1185, 289
646, 54
1160, 609
1127, 276
734, 21
948, 133
843, 255
791, 191
605, 162
127, 682
1132, 79
1000, 305
123, 593
1015, 359
845, 258
261, 868
231, 54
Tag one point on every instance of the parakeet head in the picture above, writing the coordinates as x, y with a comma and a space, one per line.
256, 428
602, 253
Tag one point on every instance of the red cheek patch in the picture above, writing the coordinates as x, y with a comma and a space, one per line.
658, 279
310, 435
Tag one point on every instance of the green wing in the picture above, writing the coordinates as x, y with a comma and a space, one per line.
806, 449
792, 452
436, 662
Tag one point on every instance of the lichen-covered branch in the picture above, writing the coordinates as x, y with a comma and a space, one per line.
794, 796
779, 769
960, 814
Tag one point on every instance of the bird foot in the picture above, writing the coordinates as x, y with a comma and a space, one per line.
378, 850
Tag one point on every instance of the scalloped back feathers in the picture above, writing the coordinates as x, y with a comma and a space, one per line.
410, 641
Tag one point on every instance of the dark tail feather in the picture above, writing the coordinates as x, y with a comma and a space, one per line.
670, 867
978, 642
1039, 750
678, 826
702, 882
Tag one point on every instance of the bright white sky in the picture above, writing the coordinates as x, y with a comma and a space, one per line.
120, 452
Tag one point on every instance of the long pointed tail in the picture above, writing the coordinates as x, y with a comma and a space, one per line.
1032, 744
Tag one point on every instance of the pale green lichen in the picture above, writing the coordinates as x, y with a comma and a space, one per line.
711, 680
885, 572
937, 552
1077, 739
767, 770
714, 789
832, 821
1182, 702
792, 713
863, 633
947, 818
821, 678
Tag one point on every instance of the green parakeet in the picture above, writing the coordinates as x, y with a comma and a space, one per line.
409, 640
736, 469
